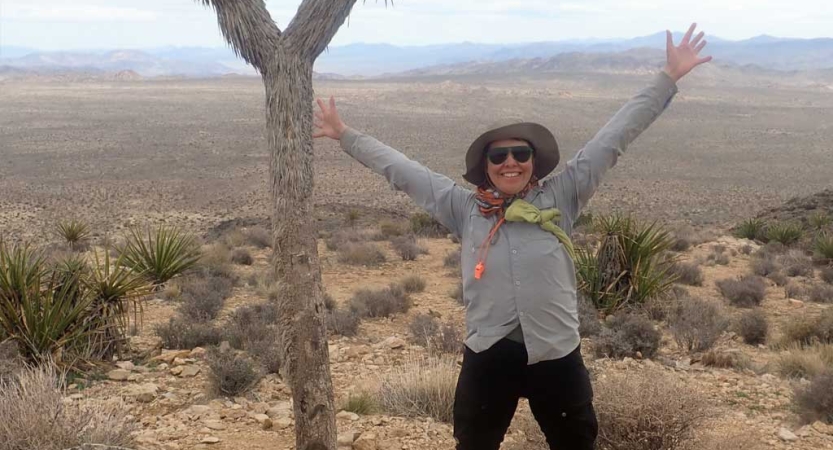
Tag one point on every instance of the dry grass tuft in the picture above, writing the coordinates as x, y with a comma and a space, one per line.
805, 362
752, 326
361, 254
697, 324
420, 388
744, 292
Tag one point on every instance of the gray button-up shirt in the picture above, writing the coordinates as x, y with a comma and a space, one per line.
530, 279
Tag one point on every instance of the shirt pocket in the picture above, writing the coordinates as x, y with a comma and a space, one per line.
478, 231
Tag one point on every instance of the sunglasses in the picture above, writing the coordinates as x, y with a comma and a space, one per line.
520, 154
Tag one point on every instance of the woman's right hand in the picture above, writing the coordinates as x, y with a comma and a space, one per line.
327, 121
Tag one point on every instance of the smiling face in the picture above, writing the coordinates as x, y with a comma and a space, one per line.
510, 176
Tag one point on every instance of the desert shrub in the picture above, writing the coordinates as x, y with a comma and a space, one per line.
171, 292
234, 238
770, 250
343, 237
267, 351
426, 331
259, 237
687, 273
343, 322
203, 297
744, 292
629, 266
805, 331
452, 260
231, 374
819, 220
216, 260
764, 267
794, 290
423, 224
362, 254
362, 403
750, 229
380, 303
823, 247
407, 248
626, 335
162, 254
796, 263
457, 294
821, 294
725, 360
389, 229
180, 333
34, 415
250, 323
647, 411
413, 283
815, 401
352, 216
422, 388
74, 232
827, 274
786, 233
753, 327
681, 241
329, 302
697, 324
746, 249
718, 258
779, 279
242, 257
805, 362
588, 318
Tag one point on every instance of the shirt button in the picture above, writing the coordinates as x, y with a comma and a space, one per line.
514, 252
517, 283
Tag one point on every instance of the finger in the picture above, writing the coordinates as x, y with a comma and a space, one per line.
320, 104
332, 103
318, 123
319, 115
669, 40
318, 134
697, 38
687, 37
704, 60
700, 46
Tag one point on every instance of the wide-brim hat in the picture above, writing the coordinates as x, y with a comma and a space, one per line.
539, 137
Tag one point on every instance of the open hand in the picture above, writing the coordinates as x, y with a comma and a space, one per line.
327, 121
686, 56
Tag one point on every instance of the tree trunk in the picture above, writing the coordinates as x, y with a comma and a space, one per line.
289, 97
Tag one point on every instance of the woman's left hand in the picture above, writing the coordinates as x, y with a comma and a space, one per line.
686, 56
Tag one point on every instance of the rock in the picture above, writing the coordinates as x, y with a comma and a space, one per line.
135, 377
76, 396
260, 418
367, 441
394, 343
215, 425
189, 371
796, 303
144, 393
787, 435
347, 415
198, 352
179, 362
282, 409
804, 431
282, 423
210, 440
169, 356
198, 410
126, 365
346, 438
259, 408
118, 374
225, 347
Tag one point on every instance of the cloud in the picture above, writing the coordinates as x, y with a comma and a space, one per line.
76, 13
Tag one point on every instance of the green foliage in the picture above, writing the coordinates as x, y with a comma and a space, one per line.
162, 254
823, 247
74, 232
362, 403
786, 233
750, 229
629, 267
422, 224
819, 220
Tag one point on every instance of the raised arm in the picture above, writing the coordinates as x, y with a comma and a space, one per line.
575, 185
437, 194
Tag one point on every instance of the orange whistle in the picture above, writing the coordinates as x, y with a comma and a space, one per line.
478, 270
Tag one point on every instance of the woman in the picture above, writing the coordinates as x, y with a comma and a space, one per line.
519, 281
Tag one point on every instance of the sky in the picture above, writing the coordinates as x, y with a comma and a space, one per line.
107, 24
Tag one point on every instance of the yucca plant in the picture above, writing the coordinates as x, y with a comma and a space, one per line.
74, 232
72, 268
162, 254
824, 247
114, 288
21, 268
629, 267
750, 229
786, 233
819, 220
46, 317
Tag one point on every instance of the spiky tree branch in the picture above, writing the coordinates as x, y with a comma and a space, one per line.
248, 27
315, 25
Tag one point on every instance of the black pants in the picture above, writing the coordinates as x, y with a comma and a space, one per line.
491, 382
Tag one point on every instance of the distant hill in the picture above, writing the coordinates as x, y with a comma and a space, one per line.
366, 60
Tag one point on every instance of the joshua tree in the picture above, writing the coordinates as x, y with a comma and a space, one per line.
285, 61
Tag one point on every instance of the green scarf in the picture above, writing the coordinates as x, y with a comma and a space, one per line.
523, 211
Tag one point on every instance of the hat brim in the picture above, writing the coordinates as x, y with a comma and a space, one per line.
538, 136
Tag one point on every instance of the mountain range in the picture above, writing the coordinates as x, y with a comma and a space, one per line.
370, 60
